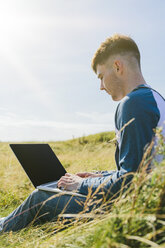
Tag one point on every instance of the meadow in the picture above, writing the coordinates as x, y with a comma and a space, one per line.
136, 219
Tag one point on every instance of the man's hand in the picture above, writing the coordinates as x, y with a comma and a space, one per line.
88, 174
70, 182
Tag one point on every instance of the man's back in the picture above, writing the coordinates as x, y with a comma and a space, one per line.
147, 108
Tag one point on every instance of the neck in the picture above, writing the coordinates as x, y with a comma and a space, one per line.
133, 82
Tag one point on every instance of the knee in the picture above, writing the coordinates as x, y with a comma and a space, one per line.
39, 197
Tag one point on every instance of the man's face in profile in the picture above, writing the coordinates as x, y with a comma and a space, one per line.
110, 81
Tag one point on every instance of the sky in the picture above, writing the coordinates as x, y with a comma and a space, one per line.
48, 91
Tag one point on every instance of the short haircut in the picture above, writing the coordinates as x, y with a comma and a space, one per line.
116, 44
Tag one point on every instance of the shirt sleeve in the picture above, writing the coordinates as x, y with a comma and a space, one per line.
109, 185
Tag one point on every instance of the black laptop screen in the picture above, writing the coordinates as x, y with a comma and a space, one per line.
39, 162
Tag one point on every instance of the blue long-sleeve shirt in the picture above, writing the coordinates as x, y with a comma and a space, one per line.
147, 108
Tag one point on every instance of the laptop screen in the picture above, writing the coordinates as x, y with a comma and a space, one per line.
39, 162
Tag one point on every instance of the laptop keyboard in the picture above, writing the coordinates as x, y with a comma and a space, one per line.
52, 185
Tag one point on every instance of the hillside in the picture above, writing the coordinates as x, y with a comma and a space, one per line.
137, 218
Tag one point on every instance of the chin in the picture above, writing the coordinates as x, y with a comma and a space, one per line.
116, 98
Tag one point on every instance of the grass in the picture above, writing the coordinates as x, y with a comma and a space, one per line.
137, 218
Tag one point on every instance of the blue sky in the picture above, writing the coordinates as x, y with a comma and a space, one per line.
48, 90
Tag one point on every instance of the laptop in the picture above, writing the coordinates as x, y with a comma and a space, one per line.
41, 166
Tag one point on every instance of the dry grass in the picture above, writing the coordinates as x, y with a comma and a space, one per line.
137, 218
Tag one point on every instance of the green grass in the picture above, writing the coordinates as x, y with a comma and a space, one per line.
137, 218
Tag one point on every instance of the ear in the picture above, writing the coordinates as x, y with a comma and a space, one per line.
118, 67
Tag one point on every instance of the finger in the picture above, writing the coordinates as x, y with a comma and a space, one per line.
68, 174
82, 174
65, 185
65, 177
62, 177
61, 185
65, 180
71, 176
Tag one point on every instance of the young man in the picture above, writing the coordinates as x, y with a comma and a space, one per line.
117, 65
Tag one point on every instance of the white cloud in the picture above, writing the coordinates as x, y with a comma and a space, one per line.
11, 120
13, 128
98, 117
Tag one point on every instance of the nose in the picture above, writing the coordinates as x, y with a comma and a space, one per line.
102, 85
